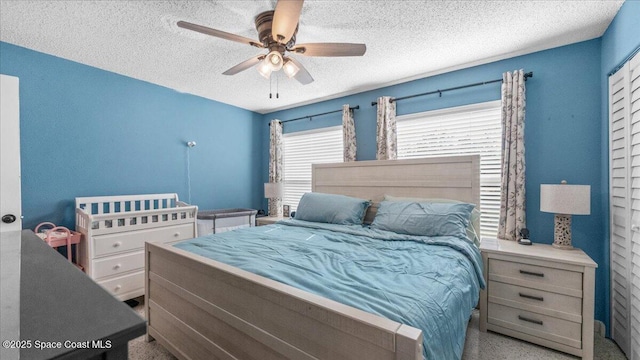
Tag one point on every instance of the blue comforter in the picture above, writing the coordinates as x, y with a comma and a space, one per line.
431, 283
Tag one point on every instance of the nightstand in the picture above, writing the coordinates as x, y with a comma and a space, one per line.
268, 220
539, 294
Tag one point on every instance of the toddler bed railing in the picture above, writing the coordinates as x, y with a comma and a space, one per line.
110, 214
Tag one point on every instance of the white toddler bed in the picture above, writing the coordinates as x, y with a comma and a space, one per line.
115, 228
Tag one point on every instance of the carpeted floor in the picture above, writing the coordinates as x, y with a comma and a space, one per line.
478, 346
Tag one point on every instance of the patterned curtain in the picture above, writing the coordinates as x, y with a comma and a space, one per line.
386, 147
512, 201
348, 134
275, 164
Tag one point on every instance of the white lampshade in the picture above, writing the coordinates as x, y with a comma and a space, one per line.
274, 59
565, 199
273, 190
290, 69
264, 68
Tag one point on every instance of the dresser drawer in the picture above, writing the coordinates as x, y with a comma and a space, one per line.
118, 264
105, 245
543, 326
543, 302
124, 284
534, 276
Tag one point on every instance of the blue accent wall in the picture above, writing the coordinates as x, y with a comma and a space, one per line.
618, 42
89, 132
562, 131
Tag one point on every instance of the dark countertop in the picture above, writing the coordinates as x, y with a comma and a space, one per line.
59, 303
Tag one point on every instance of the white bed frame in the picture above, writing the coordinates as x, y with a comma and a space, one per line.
199, 308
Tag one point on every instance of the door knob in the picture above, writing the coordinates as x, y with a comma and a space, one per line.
8, 219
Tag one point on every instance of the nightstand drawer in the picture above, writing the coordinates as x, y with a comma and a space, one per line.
539, 301
535, 276
542, 326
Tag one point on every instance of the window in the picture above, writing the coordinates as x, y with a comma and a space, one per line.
299, 151
464, 130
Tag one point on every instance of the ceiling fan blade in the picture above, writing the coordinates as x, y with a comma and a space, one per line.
244, 65
218, 33
303, 75
285, 19
330, 49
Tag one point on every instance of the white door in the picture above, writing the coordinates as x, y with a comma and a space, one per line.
10, 199
634, 172
624, 162
619, 207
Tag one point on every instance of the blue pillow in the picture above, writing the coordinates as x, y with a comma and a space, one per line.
330, 208
424, 218
473, 229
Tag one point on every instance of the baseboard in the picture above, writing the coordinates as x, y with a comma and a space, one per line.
599, 328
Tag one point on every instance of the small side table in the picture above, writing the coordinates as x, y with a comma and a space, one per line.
268, 220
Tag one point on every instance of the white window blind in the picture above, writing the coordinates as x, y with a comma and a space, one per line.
299, 151
463, 130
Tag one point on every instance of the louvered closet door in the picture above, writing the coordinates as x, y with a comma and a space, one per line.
634, 283
624, 117
619, 203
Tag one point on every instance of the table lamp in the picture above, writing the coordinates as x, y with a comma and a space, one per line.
564, 200
273, 191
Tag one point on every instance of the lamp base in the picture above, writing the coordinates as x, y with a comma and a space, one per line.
275, 207
562, 232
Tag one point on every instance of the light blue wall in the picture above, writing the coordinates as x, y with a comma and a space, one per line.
562, 132
618, 42
89, 132
622, 36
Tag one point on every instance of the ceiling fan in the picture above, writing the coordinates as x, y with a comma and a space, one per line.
277, 31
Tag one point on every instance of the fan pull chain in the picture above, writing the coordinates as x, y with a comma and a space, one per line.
277, 87
270, 81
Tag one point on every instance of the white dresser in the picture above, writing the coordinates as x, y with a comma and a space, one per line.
114, 230
539, 294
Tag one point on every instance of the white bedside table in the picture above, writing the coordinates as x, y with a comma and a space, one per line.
268, 220
539, 294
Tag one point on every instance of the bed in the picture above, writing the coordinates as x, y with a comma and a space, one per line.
201, 308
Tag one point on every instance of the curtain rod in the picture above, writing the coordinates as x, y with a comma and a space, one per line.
527, 75
324, 113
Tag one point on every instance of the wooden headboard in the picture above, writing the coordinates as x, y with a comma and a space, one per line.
450, 177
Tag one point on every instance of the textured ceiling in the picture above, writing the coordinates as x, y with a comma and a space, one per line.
405, 40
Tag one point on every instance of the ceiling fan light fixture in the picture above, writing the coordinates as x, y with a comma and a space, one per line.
274, 59
277, 31
265, 69
290, 69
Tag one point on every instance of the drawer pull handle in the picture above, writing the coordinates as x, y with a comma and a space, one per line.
118, 287
539, 298
116, 267
176, 234
538, 322
525, 272
117, 244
